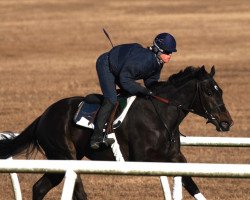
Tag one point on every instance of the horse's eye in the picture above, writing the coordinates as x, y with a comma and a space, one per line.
207, 90
209, 93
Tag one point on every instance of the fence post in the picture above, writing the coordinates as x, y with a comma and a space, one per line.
177, 188
15, 185
165, 188
69, 185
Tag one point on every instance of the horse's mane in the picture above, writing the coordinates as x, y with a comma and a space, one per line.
180, 78
183, 76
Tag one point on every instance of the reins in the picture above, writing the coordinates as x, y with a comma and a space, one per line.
179, 108
167, 101
161, 99
164, 124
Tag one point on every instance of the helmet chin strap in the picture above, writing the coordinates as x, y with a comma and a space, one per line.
157, 53
159, 58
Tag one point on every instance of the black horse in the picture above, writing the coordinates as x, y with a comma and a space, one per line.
150, 131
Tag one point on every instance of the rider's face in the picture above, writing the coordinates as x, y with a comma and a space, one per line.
165, 57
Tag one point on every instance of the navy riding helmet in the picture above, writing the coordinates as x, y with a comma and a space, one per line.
165, 43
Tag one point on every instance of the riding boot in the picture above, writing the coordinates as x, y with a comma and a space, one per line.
102, 117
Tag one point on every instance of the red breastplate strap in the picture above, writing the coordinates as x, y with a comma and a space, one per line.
161, 99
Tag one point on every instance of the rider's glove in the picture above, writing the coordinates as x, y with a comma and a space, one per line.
149, 94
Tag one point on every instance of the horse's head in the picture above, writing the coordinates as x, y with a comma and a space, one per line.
209, 102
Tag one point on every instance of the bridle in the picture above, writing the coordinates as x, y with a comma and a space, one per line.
207, 114
199, 93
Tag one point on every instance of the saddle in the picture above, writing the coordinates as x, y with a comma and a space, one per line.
88, 109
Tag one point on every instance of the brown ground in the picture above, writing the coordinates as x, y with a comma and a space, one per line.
48, 50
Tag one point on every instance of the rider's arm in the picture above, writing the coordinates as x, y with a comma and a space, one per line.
152, 80
128, 77
130, 85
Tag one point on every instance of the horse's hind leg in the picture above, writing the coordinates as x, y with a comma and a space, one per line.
188, 182
45, 184
49, 181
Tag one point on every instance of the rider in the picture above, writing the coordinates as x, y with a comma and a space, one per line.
122, 66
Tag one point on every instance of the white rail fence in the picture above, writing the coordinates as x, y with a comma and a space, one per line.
122, 168
128, 168
199, 141
216, 141
125, 168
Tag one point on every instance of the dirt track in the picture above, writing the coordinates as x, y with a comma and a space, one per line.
48, 51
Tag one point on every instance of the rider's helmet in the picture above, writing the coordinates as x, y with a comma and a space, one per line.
165, 43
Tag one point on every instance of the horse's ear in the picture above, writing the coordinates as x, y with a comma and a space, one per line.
212, 73
203, 69
202, 72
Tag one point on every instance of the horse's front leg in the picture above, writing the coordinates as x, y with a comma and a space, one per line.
187, 181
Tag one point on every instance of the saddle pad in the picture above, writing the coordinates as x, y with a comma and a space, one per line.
86, 113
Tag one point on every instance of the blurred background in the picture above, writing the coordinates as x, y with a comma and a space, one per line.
48, 51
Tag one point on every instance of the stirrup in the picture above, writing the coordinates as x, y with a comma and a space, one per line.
108, 141
104, 140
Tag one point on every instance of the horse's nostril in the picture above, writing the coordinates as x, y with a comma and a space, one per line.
225, 125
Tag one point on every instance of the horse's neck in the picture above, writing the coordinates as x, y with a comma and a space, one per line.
183, 95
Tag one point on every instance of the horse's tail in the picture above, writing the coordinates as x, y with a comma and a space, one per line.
11, 145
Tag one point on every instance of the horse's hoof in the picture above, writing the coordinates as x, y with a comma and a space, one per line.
108, 141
